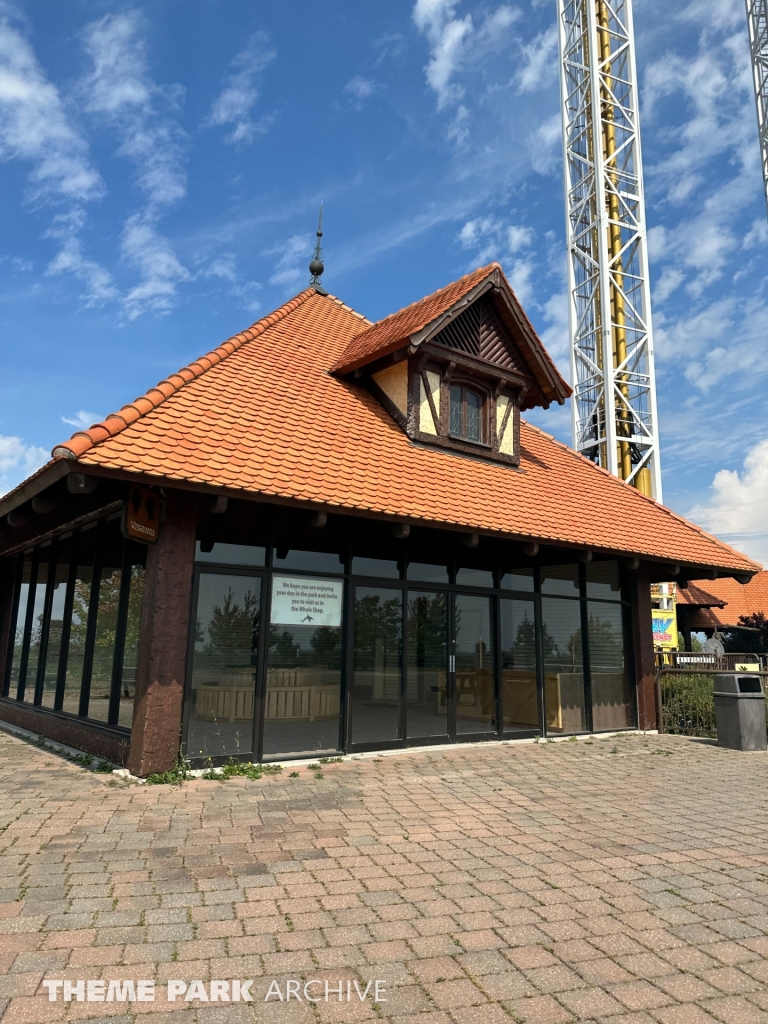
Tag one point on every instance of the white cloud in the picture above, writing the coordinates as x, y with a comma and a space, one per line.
757, 235
491, 239
120, 90
539, 62
153, 256
361, 88
447, 35
736, 510
82, 419
34, 127
556, 335
545, 145
224, 268
293, 258
234, 104
18, 460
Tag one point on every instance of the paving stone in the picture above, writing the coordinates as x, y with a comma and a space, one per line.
542, 883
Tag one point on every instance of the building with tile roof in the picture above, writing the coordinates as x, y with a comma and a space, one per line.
714, 605
330, 535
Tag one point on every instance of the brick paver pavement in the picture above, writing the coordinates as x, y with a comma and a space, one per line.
621, 880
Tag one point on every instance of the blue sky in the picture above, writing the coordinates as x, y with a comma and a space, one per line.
162, 166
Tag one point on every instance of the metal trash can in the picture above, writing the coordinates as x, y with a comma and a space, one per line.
740, 711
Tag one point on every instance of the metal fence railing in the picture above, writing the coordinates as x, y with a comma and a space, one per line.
710, 662
686, 700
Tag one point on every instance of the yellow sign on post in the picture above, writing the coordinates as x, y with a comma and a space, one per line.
664, 629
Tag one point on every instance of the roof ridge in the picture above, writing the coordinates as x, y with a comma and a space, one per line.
339, 302
82, 440
452, 284
646, 497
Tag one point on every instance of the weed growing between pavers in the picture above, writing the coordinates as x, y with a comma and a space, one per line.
231, 770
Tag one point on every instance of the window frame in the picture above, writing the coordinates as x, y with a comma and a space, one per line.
484, 396
42, 573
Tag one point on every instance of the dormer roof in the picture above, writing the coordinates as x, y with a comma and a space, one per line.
427, 320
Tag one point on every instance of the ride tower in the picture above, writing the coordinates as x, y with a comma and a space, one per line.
615, 420
757, 17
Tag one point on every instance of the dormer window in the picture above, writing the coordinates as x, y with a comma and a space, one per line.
467, 420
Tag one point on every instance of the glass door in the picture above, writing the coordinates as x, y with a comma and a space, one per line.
375, 690
302, 695
474, 710
225, 646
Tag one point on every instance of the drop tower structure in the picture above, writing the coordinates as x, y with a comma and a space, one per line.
757, 17
615, 420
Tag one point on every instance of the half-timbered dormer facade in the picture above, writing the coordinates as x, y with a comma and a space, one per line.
457, 373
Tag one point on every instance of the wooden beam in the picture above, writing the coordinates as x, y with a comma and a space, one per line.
165, 620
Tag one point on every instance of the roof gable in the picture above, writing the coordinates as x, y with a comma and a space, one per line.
498, 329
478, 331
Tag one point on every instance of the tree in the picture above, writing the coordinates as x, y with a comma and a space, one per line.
751, 639
232, 629
378, 625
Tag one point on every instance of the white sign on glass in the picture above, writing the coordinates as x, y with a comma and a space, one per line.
306, 602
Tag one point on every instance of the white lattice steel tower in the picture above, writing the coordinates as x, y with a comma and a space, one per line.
615, 422
757, 14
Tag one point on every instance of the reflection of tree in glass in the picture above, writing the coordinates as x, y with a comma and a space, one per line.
522, 653
231, 628
283, 652
574, 649
606, 643
377, 625
326, 644
426, 630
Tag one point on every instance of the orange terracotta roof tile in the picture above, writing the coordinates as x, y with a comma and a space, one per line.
268, 418
387, 335
739, 600
696, 596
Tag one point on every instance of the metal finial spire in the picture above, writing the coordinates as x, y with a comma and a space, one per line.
316, 267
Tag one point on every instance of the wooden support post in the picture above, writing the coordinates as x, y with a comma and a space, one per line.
163, 641
645, 661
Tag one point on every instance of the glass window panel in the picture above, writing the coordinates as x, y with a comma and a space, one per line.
375, 567
427, 572
519, 690
613, 706
85, 545
223, 676
375, 691
518, 579
56, 627
560, 579
603, 580
232, 554
475, 686
456, 396
104, 643
311, 561
110, 559
563, 666
474, 577
303, 689
36, 632
474, 405
18, 628
427, 663
132, 631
